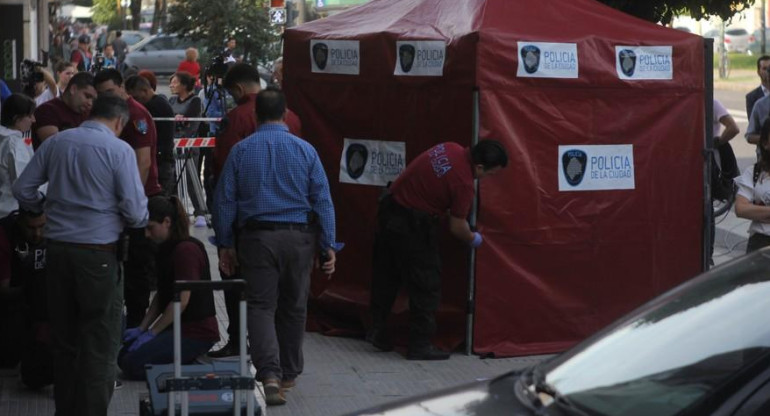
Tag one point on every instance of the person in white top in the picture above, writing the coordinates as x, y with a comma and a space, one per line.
16, 117
64, 72
753, 199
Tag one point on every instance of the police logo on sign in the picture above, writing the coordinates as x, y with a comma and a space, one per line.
573, 164
406, 57
320, 55
627, 60
355, 160
530, 56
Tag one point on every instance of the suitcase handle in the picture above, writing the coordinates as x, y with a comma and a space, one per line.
238, 285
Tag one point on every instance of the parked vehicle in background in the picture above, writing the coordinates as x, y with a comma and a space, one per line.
737, 40
131, 37
700, 349
160, 54
755, 42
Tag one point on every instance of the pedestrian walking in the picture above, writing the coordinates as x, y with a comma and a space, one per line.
274, 192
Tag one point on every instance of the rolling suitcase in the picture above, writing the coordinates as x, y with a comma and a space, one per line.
219, 388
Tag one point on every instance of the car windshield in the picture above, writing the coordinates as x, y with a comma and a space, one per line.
687, 344
736, 32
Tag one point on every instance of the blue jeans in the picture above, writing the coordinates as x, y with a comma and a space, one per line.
160, 350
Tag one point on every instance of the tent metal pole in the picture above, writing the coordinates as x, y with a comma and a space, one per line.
708, 147
471, 307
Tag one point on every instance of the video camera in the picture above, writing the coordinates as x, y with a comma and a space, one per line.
29, 73
97, 63
217, 68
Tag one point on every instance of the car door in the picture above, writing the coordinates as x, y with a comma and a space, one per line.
149, 55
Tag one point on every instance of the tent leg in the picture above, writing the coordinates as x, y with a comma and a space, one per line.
471, 307
708, 147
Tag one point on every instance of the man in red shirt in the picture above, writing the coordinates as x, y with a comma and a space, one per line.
81, 57
242, 81
67, 111
438, 181
140, 133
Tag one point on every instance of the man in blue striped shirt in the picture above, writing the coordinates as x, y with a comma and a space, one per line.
274, 190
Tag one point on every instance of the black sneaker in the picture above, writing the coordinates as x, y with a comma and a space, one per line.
230, 349
118, 385
429, 353
380, 341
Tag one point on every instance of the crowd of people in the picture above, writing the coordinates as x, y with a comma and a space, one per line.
95, 231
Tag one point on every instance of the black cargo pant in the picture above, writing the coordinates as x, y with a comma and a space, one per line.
406, 253
140, 276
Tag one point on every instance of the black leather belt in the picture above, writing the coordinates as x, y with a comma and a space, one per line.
110, 248
275, 226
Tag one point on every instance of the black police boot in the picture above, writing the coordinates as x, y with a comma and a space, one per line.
426, 353
230, 349
379, 339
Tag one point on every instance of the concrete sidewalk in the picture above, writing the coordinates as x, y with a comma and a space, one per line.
341, 375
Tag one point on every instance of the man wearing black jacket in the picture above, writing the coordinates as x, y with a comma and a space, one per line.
763, 64
139, 88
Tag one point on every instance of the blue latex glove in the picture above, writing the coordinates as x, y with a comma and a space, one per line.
131, 334
146, 337
476, 240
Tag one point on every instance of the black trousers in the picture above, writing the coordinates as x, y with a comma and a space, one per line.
757, 241
140, 276
406, 253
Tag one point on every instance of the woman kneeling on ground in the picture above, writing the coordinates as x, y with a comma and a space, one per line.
180, 257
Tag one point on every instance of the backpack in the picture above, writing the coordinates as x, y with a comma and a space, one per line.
722, 185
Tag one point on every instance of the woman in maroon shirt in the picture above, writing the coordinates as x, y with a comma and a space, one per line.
180, 257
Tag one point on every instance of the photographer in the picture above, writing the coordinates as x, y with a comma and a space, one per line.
64, 72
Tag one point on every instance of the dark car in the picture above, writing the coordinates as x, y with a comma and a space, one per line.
702, 348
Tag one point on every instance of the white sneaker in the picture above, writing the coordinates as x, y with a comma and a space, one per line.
200, 221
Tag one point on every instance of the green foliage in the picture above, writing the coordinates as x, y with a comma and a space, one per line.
210, 23
664, 10
106, 13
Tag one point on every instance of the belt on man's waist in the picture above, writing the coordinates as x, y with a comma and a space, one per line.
274, 226
111, 247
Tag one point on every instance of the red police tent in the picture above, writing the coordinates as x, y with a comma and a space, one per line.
602, 114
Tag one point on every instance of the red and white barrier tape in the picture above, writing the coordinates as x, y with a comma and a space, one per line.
189, 142
187, 118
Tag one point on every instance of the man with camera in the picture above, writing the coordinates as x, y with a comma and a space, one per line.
64, 72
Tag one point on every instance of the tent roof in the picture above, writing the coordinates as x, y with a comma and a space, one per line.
436, 19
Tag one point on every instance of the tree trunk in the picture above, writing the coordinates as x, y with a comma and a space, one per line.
156, 17
136, 14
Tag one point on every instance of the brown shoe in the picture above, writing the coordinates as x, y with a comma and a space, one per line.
286, 385
273, 393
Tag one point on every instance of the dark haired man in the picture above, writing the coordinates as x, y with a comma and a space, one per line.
81, 56
242, 82
121, 49
67, 111
141, 90
763, 64
23, 309
94, 191
140, 134
272, 185
438, 181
